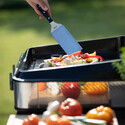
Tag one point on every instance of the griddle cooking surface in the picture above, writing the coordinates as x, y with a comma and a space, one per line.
35, 62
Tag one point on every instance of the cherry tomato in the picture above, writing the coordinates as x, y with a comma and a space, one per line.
33, 119
62, 121
70, 107
71, 89
30, 119
25, 122
102, 113
55, 120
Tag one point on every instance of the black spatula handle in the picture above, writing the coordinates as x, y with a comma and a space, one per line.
46, 15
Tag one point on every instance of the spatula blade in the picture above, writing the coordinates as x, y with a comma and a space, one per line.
66, 40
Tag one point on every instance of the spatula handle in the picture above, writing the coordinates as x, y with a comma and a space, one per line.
46, 15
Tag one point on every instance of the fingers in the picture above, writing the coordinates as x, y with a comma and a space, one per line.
33, 5
37, 11
47, 4
41, 17
42, 3
29, 2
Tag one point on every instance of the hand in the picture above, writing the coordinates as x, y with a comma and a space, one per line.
42, 3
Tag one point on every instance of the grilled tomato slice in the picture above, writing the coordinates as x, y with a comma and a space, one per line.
94, 88
71, 89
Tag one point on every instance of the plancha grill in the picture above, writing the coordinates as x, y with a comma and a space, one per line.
27, 74
27, 68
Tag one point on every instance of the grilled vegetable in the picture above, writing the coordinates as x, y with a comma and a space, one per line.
73, 59
71, 89
93, 88
97, 57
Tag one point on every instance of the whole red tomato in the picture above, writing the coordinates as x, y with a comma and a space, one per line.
71, 89
70, 107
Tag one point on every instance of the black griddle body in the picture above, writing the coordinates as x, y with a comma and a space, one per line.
108, 48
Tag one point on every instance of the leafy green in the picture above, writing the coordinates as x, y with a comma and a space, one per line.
120, 66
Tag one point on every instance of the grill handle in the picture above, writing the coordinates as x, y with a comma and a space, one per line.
11, 82
11, 79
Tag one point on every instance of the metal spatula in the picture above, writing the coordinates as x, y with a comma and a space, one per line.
62, 35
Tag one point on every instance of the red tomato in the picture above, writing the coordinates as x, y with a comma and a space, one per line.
55, 120
25, 122
71, 89
62, 121
30, 119
33, 119
70, 107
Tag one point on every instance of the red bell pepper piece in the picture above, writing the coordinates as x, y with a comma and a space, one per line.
74, 54
85, 56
